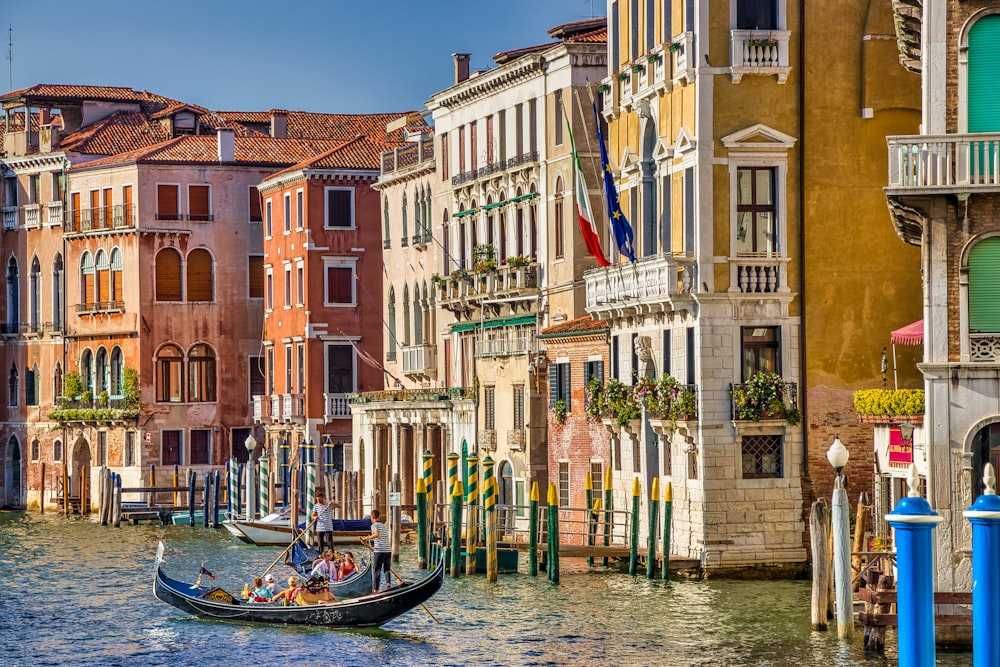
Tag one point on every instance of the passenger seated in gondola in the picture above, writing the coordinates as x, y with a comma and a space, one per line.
260, 592
348, 566
325, 568
288, 595
314, 590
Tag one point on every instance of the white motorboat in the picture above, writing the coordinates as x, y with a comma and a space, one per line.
275, 529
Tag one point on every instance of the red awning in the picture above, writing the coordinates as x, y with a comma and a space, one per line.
911, 334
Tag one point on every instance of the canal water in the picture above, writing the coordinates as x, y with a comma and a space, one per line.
75, 593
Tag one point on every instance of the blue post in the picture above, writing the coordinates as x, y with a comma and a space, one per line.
206, 496
984, 515
192, 478
215, 503
914, 522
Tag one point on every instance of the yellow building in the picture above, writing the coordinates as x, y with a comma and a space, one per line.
747, 142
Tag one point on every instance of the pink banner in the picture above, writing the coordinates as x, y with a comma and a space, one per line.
900, 451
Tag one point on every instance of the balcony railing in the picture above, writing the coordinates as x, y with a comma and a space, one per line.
54, 212
261, 409
32, 215
945, 163
420, 359
103, 218
10, 328
755, 275
276, 406
293, 406
54, 327
9, 218
408, 156
683, 57
413, 395
496, 167
984, 347
791, 404
487, 438
651, 279
465, 291
504, 347
515, 438
760, 52
100, 307
337, 406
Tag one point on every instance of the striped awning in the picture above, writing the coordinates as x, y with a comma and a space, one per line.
911, 334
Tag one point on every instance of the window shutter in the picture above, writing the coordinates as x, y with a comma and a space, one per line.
553, 385
255, 272
564, 369
168, 275
255, 215
984, 76
166, 202
116, 275
984, 287
103, 285
199, 276
599, 370
198, 208
127, 204
339, 285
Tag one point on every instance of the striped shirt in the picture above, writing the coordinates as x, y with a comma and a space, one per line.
324, 517
381, 543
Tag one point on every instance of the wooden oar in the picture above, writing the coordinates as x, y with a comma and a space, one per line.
401, 580
289, 547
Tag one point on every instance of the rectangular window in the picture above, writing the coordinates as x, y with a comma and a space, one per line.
268, 289
473, 146
288, 286
559, 388
300, 284
756, 232
289, 366
518, 129
102, 448
255, 372
269, 366
564, 484
166, 202
533, 125
339, 208
689, 210
613, 42
288, 213
489, 399
519, 498
340, 369
201, 447
633, 20
170, 448
106, 207
689, 15
58, 186
689, 345
253, 205
201, 375
597, 479
170, 385
557, 109
667, 350
761, 347
300, 209
651, 24
444, 157
489, 139
255, 276
300, 352
268, 218
592, 369
756, 15
461, 149
560, 243
502, 126
615, 368
30, 387
634, 356
762, 456
340, 285
666, 229
199, 203
128, 454
518, 406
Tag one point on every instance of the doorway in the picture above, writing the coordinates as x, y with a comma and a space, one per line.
12, 475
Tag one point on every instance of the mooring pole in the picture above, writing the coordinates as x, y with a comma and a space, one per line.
654, 506
472, 523
984, 515
421, 524
633, 556
553, 531
533, 531
456, 525
589, 482
668, 510
609, 505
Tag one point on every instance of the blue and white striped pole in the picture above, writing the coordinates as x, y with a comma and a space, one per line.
914, 522
984, 515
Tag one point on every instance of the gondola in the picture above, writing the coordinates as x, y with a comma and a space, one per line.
275, 529
357, 584
364, 612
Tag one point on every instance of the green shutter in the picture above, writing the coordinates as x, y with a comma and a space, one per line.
984, 287
553, 385
564, 369
984, 75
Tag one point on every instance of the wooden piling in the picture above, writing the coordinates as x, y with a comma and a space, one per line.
151, 496
206, 499
668, 510
533, 531
192, 481
456, 525
552, 552
589, 494
609, 505
860, 527
216, 483
654, 506
421, 523
633, 555
472, 527
819, 536
490, 505
428, 475
102, 514
395, 516
177, 479
41, 489
116, 515
65, 478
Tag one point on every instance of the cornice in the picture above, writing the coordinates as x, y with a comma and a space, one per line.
489, 83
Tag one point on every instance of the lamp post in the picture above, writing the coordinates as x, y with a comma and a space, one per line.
838, 456
885, 367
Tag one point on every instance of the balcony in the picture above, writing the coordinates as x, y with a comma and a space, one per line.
337, 407
465, 290
758, 273
515, 438
747, 404
525, 159
944, 164
660, 278
405, 158
10, 328
420, 360
684, 58
984, 347
32, 216
276, 407
9, 218
119, 217
100, 307
487, 438
293, 407
759, 52
504, 347
410, 395
54, 212
261, 409
52, 328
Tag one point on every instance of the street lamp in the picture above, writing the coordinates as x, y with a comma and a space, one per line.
906, 432
838, 455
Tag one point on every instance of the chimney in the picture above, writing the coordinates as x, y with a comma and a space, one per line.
279, 124
461, 66
227, 144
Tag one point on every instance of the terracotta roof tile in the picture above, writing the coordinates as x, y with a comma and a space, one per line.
309, 125
67, 93
591, 31
120, 132
362, 152
581, 325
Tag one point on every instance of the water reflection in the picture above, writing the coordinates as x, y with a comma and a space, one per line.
81, 594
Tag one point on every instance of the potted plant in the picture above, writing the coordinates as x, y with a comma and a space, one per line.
638, 68
761, 43
675, 47
72, 386
559, 411
520, 260
594, 398
763, 395
654, 58
621, 403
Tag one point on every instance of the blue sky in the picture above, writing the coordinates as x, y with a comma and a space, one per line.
348, 56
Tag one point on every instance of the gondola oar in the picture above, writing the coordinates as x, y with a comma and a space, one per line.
401, 580
289, 547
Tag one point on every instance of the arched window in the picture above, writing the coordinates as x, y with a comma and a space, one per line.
428, 312
57, 383
418, 317
406, 315
13, 297
533, 226
558, 222
117, 369
490, 221
12, 386
101, 373
102, 290
199, 276
58, 292
201, 374
386, 233
984, 76
57, 452
445, 244
32, 386
984, 286
404, 220
168, 375
35, 295
36, 449
117, 293
418, 222
390, 352
87, 278
87, 370
168, 275
473, 228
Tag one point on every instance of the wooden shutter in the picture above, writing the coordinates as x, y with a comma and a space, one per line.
88, 288
103, 285
168, 275
255, 273
984, 75
255, 215
199, 276
166, 202
75, 205
106, 204
127, 204
338, 280
199, 446
984, 287
170, 452
198, 205
116, 276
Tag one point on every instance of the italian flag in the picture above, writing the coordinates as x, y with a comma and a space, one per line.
583, 210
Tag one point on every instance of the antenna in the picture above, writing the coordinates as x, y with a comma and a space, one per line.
10, 56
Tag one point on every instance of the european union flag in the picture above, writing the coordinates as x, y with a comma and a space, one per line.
619, 223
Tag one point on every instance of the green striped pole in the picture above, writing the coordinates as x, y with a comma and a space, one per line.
668, 505
265, 503
429, 477
421, 524
609, 506
472, 498
553, 534
490, 502
452, 471
589, 485
456, 526
633, 555
533, 531
654, 506
488, 464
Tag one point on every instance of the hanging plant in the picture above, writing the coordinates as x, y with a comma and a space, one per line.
762, 395
559, 411
763, 43
594, 398
621, 403
675, 47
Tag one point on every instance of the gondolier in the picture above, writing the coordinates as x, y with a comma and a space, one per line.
381, 545
322, 512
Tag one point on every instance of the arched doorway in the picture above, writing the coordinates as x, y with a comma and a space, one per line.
12, 475
79, 477
505, 495
985, 449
